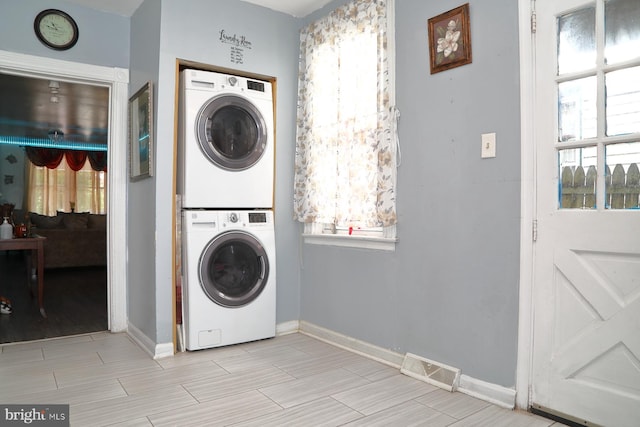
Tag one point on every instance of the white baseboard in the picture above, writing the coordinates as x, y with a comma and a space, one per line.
156, 351
489, 392
499, 395
493, 393
286, 328
362, 348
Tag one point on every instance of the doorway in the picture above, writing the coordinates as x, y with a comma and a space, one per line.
116, 80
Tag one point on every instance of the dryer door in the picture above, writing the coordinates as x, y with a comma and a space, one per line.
233, 269
231, 132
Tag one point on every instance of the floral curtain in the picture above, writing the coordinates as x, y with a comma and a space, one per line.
345, 146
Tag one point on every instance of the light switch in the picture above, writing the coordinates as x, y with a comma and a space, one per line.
488, 145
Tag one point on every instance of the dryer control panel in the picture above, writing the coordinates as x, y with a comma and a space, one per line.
257, 217
253, 85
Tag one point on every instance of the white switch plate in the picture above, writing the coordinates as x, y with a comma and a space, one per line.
488, 145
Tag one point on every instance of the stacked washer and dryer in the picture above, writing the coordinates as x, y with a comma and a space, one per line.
225, 182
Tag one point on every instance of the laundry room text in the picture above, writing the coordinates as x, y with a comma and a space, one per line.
238, 44
238, 41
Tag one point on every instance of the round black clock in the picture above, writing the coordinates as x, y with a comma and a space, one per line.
56, 29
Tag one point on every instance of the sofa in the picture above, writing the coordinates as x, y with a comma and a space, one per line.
73, 239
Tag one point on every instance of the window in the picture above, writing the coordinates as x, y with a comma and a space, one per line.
346, 146
64, 189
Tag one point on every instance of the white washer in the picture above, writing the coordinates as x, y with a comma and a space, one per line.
229, 291
226, 141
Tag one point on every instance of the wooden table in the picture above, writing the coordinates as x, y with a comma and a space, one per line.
36, 246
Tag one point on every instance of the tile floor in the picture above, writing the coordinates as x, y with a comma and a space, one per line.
292, 380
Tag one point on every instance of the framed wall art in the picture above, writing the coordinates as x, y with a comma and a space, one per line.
141, 132
450, 39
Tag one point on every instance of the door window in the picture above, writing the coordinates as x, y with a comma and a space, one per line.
598, 98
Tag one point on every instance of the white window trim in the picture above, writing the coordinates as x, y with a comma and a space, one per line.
361, 242
385, 240
351, 241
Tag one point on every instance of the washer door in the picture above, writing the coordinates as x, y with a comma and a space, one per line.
231, 132
233, 269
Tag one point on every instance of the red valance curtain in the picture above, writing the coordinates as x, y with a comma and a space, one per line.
98, 160
51, 158
75, 159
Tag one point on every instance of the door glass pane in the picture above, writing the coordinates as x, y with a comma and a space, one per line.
577, 41
622, 30
623, 101
622, 175
577, 115
577, 183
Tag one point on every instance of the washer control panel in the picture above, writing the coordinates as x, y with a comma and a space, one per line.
239, 219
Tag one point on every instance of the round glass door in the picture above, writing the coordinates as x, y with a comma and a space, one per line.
231, 132
233, 269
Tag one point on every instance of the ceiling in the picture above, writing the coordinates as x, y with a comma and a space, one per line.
33, 108
297, 8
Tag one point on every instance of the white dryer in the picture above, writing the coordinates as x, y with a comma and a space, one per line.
226, 141
229, 290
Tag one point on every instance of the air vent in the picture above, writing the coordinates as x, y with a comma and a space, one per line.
434, 373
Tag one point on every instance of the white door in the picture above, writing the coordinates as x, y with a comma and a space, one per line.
586, 324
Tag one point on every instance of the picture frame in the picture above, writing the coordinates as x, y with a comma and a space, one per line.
141, 133
450, 39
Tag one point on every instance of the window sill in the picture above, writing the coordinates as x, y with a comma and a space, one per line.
343, 240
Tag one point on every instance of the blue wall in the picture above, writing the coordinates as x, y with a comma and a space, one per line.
141, 219
459, 259
104, 37
450, 291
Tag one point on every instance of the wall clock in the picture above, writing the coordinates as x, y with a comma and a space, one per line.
56, 29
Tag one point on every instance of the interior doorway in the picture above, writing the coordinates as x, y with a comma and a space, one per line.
116, 80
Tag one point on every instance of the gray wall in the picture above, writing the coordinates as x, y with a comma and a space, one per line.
104, 37
450, 291
142, 292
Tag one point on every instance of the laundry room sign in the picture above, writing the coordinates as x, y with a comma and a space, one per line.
238, 44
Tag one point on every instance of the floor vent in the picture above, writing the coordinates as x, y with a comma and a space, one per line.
434, 373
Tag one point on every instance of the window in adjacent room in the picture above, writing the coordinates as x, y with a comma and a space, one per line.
346, 146
71, 181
